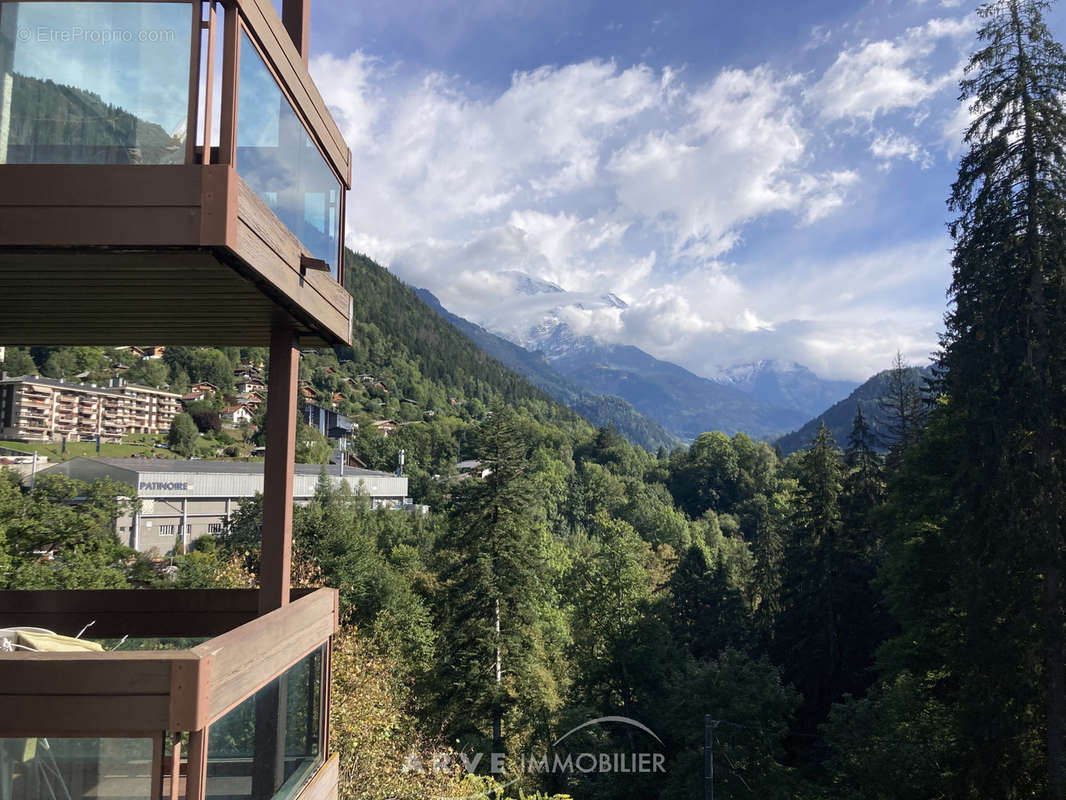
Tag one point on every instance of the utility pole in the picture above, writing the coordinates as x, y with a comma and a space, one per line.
708, 757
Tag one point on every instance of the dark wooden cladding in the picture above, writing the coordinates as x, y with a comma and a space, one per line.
134, 612
297, 20
53, 694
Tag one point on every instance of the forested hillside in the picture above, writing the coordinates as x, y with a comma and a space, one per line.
874, 397
394, 331
601, 410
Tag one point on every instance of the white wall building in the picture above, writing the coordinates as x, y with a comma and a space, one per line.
183, 500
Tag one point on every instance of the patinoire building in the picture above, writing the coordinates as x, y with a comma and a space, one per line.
183, 500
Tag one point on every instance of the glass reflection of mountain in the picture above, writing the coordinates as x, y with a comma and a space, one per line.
53, 123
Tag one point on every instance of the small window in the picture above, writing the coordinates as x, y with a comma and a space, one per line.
214, 527
168, 530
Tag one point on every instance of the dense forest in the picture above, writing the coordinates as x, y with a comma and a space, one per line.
876, 617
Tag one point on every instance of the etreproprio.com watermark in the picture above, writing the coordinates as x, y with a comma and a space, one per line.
557, 763
47, 34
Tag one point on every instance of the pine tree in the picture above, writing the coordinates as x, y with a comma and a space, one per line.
902, 409
495, 591
1005, 372
808, 636
863, 484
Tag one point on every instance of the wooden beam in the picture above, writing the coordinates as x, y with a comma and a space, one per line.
278, 640
133, 612
276, 546
231, 64
296, 16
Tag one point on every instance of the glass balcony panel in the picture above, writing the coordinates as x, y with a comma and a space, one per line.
268, 745
278, 160
94, 83
102, 769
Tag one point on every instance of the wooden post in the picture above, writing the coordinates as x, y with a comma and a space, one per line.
231, 66
295, 16
276, 548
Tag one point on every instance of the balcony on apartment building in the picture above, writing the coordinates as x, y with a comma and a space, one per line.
204, 699
171, 167
169, 172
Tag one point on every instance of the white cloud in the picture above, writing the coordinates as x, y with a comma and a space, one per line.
887, 75
606, 178
843, 319
891, 145
346, 84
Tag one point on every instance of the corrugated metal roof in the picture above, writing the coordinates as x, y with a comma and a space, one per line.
204, 467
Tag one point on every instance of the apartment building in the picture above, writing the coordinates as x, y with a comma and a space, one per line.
36, 409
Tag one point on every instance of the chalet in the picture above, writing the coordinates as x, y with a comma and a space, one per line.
236, 414
156, 351
204, 388
194, 192
385, 426
308, 393
252, 400
246, 385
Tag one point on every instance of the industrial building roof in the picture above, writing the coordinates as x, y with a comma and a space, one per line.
227, 467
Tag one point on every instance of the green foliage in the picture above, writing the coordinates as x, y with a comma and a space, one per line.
149, 372
17, 361
311, 446
202, 364
61, 535
183, 436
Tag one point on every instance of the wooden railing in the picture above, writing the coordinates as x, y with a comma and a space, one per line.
162, 695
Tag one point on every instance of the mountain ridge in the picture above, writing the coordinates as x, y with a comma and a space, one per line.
599, 409
839, 417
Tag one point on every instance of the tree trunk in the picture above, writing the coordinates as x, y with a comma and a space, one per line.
1054, 656
497, 709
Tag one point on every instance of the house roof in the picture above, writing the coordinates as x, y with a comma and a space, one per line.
84, 387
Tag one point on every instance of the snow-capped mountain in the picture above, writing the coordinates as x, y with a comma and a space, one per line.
539, 317
528, 285
786, 384
762, 398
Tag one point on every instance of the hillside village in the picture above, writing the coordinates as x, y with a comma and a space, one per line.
140, 392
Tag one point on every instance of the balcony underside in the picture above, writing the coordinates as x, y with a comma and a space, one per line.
96, 254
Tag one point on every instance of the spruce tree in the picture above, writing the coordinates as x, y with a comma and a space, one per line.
495, 588
902, 409
863, 485
808, 635
1005, 372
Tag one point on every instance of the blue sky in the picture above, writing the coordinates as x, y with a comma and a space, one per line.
756, 180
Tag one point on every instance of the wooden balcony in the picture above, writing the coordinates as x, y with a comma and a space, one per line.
191, 250
240, 714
